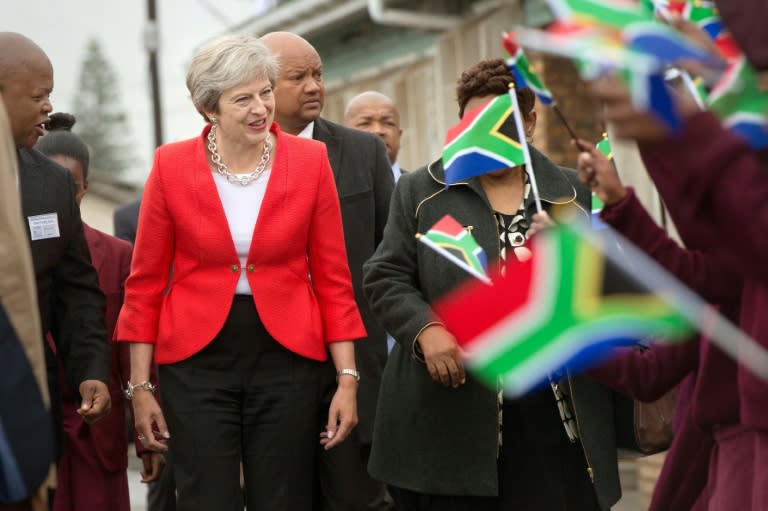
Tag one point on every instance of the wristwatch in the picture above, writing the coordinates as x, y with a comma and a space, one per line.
350, 372
129, 389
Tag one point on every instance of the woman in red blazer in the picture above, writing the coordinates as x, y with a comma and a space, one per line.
239, 288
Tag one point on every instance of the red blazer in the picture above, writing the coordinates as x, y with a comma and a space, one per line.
296, 266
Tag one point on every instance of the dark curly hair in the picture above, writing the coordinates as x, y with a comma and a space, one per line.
487, 78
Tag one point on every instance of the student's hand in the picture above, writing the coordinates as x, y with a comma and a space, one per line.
599, 174
96, 403
541, 221
153, 462
443, 356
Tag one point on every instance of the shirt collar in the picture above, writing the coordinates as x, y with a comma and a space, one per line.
396, 171
307, 131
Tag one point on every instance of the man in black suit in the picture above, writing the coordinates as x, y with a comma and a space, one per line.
70, 301
376, 113
126, 219
26, 439
364, 183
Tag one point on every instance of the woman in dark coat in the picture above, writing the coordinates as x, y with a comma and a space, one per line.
437, 440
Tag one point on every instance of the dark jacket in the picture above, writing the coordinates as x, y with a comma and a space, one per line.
430, 438
71, 303
125, 220
364, 182
107, 439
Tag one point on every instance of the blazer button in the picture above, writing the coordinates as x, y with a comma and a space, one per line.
235, 268
251, 267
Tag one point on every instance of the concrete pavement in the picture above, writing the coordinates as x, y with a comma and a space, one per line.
630, 501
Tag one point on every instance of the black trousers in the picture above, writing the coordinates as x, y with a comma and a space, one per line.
539, 468
343, 482
245, 398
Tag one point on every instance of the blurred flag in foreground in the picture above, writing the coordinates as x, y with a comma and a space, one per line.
575, 299
742, 106
525, 76
616, 14
448, 238
484, 140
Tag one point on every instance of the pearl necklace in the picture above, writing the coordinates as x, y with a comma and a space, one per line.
242, 179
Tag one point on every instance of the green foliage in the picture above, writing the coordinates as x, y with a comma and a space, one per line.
101, 122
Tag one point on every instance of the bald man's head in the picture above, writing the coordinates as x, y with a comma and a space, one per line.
299, 90
376, 113
26, 81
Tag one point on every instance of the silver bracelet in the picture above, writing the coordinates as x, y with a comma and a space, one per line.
349, 372
145, 385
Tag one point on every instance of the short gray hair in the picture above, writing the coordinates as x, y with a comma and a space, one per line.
225, 62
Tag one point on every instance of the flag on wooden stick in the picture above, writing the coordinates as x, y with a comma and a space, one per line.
484, 140
448, 238
524, 74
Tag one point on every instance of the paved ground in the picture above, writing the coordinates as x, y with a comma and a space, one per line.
630, 501
136, 489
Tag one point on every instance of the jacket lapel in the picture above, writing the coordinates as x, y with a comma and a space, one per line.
33, 185
274, 195
332, 144
209, 206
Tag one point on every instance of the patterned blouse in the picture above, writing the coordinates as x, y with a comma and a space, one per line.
513, 235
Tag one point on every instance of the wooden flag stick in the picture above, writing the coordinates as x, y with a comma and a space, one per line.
568, 127
517, 114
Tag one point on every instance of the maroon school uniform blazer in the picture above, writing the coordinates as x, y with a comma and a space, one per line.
716, 190
713, 398
107, 439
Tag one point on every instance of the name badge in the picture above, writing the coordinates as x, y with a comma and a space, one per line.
43, 227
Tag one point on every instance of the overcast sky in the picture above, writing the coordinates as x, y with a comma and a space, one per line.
63, 27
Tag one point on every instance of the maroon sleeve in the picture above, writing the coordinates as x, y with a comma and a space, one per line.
716, 190
646, 375
703, 273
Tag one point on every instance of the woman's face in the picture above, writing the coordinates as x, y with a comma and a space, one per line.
246, 112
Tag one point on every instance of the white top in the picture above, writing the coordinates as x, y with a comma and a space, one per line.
242, 205
307, 131
396, 172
